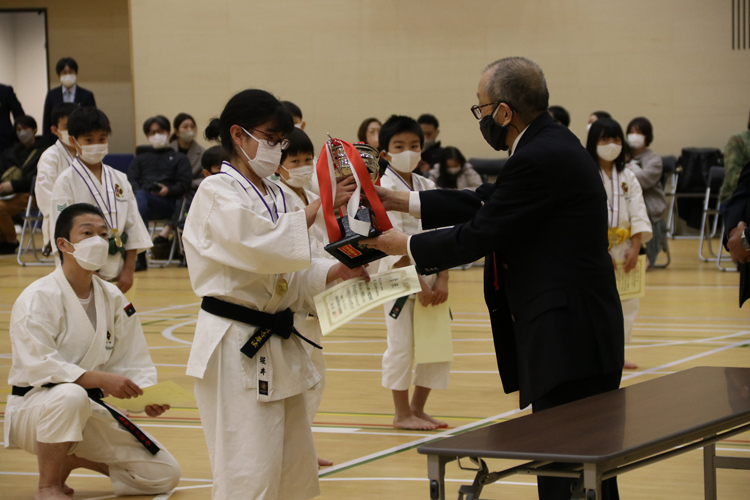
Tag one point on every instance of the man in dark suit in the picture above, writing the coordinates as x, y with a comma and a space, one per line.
8, 104
67, 70
549, 281
736, 212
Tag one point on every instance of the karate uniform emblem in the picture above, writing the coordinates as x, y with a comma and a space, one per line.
110, 343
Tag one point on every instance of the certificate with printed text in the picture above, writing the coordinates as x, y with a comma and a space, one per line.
344, 302
633, 284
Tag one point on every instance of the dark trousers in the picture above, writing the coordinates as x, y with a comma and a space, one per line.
558, 488
151, 206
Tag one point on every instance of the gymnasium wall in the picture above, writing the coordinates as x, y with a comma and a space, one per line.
344, 60
97, 35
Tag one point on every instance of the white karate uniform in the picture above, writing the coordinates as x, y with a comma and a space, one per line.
399, 356
238, 246
71, 187
626, 210
52, 163
54, 341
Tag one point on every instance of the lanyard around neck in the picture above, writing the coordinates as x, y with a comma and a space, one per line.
245, 182
108, 206
413, 179
613, 221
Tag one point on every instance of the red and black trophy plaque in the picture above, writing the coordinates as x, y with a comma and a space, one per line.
337, 160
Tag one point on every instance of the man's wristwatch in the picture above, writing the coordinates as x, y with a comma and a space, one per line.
744, 242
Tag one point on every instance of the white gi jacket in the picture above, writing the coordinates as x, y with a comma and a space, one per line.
237, 249
403, 221
115, 190
626, 208
53, 161
53, 340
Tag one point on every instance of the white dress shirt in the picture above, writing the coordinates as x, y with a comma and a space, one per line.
69, 94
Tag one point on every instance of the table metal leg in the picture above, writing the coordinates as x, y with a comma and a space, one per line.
436, 475
709, 471
592, 481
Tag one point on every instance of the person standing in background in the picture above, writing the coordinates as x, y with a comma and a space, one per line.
736, 155
432, 151
69, 91
8, 104
648, 168
368, 132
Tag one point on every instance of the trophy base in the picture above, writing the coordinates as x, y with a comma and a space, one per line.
347, 250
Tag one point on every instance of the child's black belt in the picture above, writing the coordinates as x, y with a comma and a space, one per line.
281, 323
96, 396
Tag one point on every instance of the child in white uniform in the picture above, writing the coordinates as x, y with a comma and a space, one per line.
251, 260
401, 141
629, 225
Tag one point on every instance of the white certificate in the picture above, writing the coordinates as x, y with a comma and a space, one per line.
633, 284
344, 302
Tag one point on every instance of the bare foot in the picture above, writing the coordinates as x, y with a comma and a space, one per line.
629, 365
413, 423
322, 462
439, 423
50, 493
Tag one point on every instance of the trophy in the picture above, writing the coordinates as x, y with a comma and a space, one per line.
337, 160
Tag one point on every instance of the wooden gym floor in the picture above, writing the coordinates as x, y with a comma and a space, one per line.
688, 318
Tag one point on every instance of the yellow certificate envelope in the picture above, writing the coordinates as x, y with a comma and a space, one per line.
164, 393
433, 342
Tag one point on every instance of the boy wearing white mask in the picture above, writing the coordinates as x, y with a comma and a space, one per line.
75, 337
91, 181
52, 163
159, 176
401, 140
629, 227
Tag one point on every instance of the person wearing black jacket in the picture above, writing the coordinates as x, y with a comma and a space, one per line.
159, 175
8, 104
18, 169
68, 91
549, 281
736, 213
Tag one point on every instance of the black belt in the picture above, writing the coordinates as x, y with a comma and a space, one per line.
96, 396
281, 323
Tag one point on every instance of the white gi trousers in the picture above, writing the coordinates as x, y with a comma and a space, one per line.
64, 413
629, 313
399, 356
258, 450
314, 394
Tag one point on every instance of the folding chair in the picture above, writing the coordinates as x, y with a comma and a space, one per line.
32, 223
710, 215
719, 258
176, 241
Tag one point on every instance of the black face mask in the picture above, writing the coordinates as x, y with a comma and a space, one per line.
493, 132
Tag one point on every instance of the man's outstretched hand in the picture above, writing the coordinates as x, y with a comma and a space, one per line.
393, 201
391, 242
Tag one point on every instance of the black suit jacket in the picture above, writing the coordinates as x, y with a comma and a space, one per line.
54, 97
549, 283
8, 104
736, 210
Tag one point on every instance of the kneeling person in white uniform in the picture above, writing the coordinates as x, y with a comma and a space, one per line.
76, 338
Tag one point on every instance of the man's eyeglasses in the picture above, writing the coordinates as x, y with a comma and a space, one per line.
477, 110
272, 142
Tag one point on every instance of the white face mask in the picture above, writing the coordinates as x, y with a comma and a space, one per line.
609, 152
68, 80
636, 141
93, 153
588, 127
267, 158
300, 176
91, 253
65, 138
159, 141
405, 162
187, 136
454, 170
298, 125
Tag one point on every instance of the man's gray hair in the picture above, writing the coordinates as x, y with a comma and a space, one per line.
520, 83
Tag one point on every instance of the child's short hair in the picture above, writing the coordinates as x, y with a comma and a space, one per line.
292, 109
62, 110
65, 220
428, 119
87, 120
213, 156
26, 121
299, 143
398, 124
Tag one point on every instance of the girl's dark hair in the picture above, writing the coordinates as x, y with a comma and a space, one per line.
445, 179
299, 143
362, 132
601, 114
644, 125
86, 120
213, 156
606, 128
249, 109
177, 122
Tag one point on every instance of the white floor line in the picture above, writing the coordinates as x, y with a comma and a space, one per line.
419, 479
167, 332
152, 311
695, 341
411, 444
